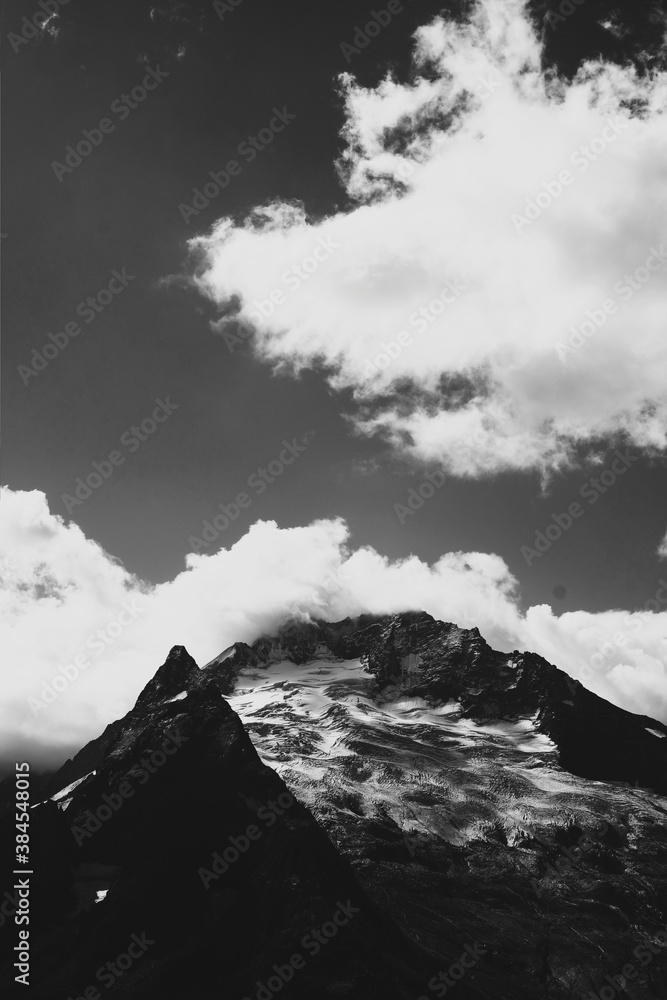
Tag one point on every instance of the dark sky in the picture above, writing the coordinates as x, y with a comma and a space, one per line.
119, 209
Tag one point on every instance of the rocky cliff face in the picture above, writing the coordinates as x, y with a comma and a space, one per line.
381, 807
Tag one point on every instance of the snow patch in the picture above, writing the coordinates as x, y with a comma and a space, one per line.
64, 797
224, 655
448, 708
405, 705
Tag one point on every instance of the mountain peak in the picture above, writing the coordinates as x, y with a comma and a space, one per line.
179, 673
416, 655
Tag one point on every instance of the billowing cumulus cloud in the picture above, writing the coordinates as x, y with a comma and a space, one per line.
494, 295
81, 636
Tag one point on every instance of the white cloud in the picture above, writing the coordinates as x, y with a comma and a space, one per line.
441, 170
60, 588
662, 548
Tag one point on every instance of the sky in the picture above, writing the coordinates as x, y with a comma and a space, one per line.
407, 350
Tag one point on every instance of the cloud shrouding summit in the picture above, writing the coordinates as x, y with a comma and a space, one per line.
64, 598
495, 294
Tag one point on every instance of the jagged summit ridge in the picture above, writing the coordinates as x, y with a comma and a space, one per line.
421, 657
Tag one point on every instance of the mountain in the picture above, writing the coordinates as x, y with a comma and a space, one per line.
378, 807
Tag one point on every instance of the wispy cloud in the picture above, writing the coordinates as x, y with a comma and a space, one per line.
662, 549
